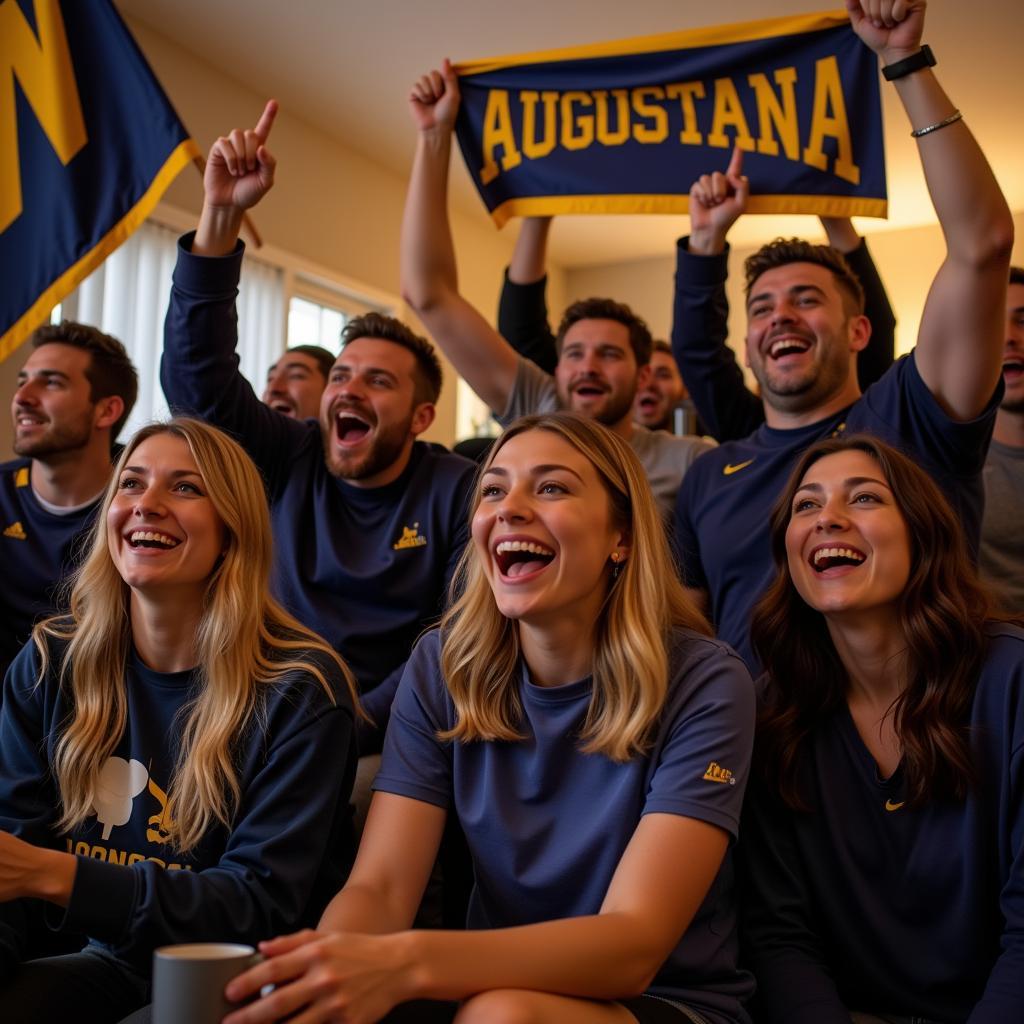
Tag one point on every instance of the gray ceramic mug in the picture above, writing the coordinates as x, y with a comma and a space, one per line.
189, 981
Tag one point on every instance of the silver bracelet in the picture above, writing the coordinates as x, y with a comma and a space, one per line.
952, 119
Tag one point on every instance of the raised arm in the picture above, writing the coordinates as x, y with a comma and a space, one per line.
715, 381
429, 280
523, 308
960, 342
878, 355
199, 369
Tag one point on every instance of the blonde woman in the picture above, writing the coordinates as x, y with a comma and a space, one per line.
176, 753
593, 741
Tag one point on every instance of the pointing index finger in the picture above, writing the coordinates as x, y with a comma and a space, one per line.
266, 120
735, 168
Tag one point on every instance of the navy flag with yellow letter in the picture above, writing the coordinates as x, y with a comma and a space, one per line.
627, 127
88, 144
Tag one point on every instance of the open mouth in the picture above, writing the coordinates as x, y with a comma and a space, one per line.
24, 419
823, 559
517, 558
648, 402
788, 346
152, 539
350, 429
1013, 369
283, 407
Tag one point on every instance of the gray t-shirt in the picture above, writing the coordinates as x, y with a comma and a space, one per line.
1001, 557
665, 457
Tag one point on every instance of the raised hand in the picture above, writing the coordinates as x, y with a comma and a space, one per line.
717, 201
434, 99
240, 168
892, 28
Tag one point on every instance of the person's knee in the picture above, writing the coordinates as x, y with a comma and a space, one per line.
500, 1006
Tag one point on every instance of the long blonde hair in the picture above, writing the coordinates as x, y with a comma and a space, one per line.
480, 646
245, 640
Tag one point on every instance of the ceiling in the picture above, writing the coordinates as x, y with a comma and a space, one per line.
347, 66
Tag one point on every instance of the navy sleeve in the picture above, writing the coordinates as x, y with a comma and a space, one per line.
685, 544
874, 360
279, 840
794, 986
199, 368
523, 322
415, 763
704, 766
1004, 992
700, 326
28, 800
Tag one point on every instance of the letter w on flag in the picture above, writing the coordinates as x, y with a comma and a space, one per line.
88, 144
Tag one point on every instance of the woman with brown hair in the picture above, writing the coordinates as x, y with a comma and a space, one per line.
593, 741
884, 841
176, 753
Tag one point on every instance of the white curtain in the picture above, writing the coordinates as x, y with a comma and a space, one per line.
127, 297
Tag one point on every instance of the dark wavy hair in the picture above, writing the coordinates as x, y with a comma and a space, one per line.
783, 251
942, 612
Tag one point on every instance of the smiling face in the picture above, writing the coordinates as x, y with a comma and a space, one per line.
295, 386
543, 531
801, 339
369, 416
52, 410
163, 532
847, 543
1013, 352
663, 391
597, 375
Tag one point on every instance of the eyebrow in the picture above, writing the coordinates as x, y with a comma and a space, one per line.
25, 374
367, 372
853, 481
175, 474
795, 290
551, 467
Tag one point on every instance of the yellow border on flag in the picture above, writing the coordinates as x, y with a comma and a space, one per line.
184, 153
551, 206
737, 32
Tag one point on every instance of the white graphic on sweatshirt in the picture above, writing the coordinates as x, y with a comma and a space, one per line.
120, 782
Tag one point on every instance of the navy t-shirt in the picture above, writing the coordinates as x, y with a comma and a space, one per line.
38, 550
284, 857
870, 904
723, 514
547, 824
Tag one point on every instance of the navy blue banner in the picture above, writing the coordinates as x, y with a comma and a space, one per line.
88, 144
627, 127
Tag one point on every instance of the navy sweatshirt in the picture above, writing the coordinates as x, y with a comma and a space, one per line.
366, 568
287, 851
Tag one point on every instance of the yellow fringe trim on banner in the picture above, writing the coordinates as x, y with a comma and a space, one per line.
738, 32
183, 154
819, 206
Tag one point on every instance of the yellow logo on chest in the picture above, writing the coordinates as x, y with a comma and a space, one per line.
411, 538
16, 530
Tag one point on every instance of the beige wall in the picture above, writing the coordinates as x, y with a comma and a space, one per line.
330, 205
907, 261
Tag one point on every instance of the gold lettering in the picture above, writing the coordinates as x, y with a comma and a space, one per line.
728, 114
532, 149
135, 858
686, 93
828, 96
774, 115
658, 130
577, 129
604, 134
498, 132
47, 77
82, 849
98, 853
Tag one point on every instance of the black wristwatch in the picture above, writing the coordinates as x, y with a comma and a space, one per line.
924, 58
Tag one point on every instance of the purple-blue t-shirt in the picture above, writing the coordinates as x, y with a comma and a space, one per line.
547, 824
